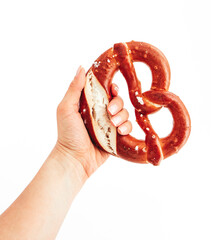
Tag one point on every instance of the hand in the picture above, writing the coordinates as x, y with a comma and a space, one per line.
73, 138
46, 200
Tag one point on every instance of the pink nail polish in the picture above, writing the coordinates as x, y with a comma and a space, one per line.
116, 120
78, 70
116, 88
113, 109
122, 129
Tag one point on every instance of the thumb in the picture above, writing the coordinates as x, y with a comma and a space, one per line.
73, 93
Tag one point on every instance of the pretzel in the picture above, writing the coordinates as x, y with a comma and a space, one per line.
96, 96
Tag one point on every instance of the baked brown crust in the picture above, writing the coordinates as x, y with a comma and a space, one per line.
121, 57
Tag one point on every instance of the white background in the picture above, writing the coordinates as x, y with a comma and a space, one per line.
42, 43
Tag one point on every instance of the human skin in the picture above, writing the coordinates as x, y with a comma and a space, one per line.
39, 211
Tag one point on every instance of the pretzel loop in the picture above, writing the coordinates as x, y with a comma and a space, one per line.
125, 54
164, 147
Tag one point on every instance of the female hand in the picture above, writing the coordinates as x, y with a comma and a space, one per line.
48, 197
73, 138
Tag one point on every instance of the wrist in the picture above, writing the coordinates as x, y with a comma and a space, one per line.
68, 163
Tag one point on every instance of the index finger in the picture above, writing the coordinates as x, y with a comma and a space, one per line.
114, 89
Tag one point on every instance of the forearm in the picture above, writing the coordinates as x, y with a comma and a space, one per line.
40, 209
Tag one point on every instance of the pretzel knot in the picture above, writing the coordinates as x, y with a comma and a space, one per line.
153, 149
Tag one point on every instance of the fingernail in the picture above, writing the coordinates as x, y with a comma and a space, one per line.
113, 109
116, 120
78, 70
116, 88
122, 129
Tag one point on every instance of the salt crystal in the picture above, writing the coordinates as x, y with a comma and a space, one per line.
96, 64
140, 100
